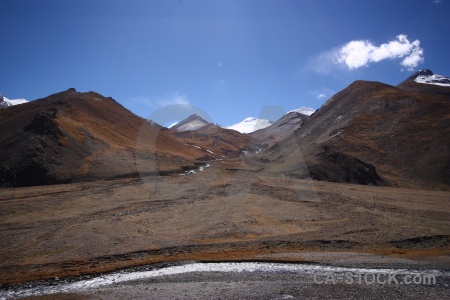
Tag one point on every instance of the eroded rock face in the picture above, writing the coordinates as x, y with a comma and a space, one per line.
354, 170
44, 123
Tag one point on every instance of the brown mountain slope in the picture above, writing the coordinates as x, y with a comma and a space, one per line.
223, 143
281, 129
373, 133
72, 136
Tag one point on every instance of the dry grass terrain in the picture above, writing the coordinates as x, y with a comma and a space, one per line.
217, 214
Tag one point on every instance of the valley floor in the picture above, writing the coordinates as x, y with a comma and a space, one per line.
215, 215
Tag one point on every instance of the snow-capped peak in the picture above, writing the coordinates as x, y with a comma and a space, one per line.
304, 110
250, 124
428, 77
193, 122
5, 102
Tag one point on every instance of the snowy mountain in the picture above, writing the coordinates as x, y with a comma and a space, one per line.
193, 122
304, 110
250, 124
5, 102
428, 77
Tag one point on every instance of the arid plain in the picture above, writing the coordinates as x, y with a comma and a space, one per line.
213, 215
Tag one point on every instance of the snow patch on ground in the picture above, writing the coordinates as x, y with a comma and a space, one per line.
200, 169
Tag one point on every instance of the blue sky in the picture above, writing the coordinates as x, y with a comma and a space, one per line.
229, 58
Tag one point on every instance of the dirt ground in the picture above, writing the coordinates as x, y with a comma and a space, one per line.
213, 215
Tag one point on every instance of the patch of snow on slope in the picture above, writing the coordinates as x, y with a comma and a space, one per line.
250, 124
433, 79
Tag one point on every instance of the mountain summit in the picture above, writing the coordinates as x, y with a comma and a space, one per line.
193, 122
5, 102
250, 124
304, 110
428, 77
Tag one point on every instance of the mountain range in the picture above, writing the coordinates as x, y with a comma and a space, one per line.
248, 125
368, 133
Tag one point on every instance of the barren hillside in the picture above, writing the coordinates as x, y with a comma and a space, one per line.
72, 136
373, 133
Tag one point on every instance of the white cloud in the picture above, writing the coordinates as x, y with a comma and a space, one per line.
321, 93
357, 54
141, 100
437, 1
413, 59
323, 63
173, 98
